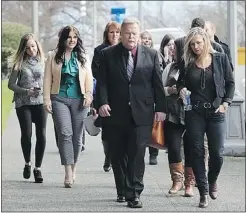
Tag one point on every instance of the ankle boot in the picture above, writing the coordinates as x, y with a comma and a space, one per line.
189, 182
107, 164
107, 161
152, 160
213, 191
203, 201
177, 175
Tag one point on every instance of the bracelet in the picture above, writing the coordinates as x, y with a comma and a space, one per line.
225, 104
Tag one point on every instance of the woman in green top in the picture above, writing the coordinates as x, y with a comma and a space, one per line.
68, 88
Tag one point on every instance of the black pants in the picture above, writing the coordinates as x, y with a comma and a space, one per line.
153, 151
27, 115
105, 148
127, 145
173, 137
198, 122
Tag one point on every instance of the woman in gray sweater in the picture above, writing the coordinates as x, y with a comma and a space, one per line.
175, 129
26, 80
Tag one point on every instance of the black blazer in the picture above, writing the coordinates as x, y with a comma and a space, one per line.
226, 50
138, 98
222, 75
95, 60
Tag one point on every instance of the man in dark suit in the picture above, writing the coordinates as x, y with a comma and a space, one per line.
210, 28
129, 97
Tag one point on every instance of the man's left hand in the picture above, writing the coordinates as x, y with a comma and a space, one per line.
160, 116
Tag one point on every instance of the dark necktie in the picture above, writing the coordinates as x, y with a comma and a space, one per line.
130, 66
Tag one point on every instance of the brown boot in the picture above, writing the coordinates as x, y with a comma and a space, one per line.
189, 182
177, 175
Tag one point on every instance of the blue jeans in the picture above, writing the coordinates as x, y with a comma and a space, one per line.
199, 121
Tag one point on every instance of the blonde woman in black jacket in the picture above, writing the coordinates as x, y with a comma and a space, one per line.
208, 75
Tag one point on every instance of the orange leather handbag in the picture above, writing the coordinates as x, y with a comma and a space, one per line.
158, 139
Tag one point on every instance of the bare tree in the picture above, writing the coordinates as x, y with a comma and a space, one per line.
241, 23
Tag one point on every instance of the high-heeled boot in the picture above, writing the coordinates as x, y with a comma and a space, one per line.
189, 182
177, 175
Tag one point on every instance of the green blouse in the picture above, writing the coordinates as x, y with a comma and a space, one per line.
69, 86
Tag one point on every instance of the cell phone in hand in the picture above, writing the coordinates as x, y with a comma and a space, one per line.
37, 88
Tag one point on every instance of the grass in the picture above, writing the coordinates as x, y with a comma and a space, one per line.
7, 105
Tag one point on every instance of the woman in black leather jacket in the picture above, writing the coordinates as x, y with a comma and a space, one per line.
208, 75
111, 37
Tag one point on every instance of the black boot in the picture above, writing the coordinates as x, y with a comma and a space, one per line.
152, 160
27, 172
203, 201
153, 152
107, 164
107, 161
38, 176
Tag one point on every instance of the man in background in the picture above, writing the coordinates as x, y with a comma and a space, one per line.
210, 28
146, 40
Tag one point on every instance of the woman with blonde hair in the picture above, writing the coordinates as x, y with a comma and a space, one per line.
146, 40
208, 76
111, 36
26, 80
68, 88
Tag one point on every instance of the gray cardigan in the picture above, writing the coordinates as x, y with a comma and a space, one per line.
20, 81
167, 76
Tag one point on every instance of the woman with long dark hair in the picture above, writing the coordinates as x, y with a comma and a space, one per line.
175, 129
68, 89
167, 48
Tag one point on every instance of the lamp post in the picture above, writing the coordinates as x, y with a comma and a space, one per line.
35, 25
83, 8
140, 15
94, 24
232, 30
235, 125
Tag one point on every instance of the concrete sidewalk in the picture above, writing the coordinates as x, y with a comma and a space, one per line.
94, 190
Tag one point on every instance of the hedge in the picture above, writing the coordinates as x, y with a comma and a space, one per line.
11, 35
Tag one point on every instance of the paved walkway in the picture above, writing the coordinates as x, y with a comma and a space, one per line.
94, 189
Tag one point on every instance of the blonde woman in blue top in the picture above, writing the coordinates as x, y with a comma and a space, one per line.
68, 93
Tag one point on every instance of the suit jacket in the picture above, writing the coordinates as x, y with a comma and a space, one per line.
138, 98
222, 75
96, 59
216, 46
226, 50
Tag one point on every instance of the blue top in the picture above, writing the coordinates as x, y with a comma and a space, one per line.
69, 86
94, 86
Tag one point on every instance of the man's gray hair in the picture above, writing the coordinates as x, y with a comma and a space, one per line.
130, 20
